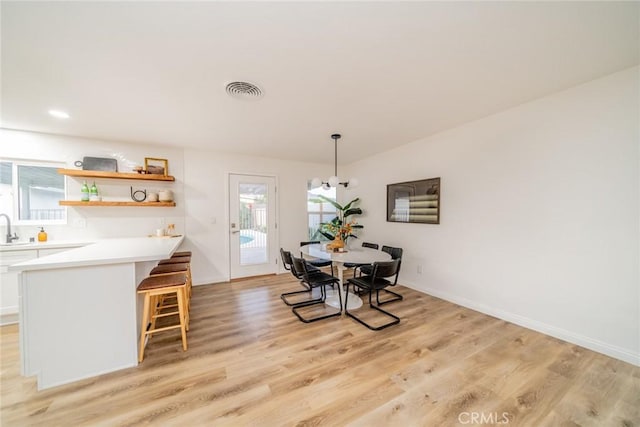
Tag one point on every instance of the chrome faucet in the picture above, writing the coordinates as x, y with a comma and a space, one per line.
10, 238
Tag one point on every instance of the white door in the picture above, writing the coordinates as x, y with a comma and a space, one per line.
252, 214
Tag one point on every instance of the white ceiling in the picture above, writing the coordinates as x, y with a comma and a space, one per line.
381, 73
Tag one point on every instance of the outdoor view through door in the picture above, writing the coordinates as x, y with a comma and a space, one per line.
252, 225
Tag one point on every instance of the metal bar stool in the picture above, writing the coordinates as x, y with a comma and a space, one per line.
154, 287
167, 269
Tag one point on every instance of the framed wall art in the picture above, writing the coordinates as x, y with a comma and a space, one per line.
414, 201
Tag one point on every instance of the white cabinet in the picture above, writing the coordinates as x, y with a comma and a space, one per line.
9, 301
9, 284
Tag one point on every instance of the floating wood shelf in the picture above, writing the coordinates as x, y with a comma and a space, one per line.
114, 175
136, 204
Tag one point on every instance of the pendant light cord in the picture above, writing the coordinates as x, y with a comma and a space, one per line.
335, 156
336, 137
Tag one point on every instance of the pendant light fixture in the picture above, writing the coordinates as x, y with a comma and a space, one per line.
334, 181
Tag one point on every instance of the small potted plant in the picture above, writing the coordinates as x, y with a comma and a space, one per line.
340, 228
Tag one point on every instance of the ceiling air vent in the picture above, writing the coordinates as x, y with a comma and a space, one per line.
244, 90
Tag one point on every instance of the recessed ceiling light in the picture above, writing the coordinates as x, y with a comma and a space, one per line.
59, 114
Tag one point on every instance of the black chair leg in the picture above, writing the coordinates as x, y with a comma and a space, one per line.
322, 299
307, 290
386, 325
396, 297
346, 299
395, 318
285, 295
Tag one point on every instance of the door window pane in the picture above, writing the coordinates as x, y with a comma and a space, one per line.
253, 223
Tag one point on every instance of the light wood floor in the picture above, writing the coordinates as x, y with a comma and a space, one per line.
252, 363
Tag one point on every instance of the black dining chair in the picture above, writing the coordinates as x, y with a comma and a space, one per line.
357, 266
378, 280
287, 262
314, 279
316, 262
396, 253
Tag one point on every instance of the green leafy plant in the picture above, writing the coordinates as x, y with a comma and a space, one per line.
340, 225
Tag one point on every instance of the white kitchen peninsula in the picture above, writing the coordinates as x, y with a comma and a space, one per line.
14, 253
79, 311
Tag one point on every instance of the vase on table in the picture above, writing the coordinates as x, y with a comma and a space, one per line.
336, 244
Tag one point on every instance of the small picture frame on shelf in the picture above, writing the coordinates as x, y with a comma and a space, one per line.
155, 166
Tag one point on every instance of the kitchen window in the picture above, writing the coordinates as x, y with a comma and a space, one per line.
319, 211
30, 192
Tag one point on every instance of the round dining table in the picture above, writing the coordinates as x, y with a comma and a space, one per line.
357, 255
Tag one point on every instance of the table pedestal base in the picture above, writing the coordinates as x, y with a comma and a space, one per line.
333, 300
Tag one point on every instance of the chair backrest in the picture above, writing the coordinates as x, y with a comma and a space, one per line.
311, 242
286, 259
396, 253
299, 266
383, 269
370, 245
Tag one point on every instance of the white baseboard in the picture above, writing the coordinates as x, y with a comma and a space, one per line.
209, 280
563, 334
8, 319
221, 279
10, 309
8, 315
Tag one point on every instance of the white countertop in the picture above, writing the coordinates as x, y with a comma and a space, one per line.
52, 244
105, 251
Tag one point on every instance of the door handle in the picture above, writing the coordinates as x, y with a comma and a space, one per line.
235, 231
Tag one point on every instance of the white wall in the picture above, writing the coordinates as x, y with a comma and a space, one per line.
539, 214
206, 201
99, 222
